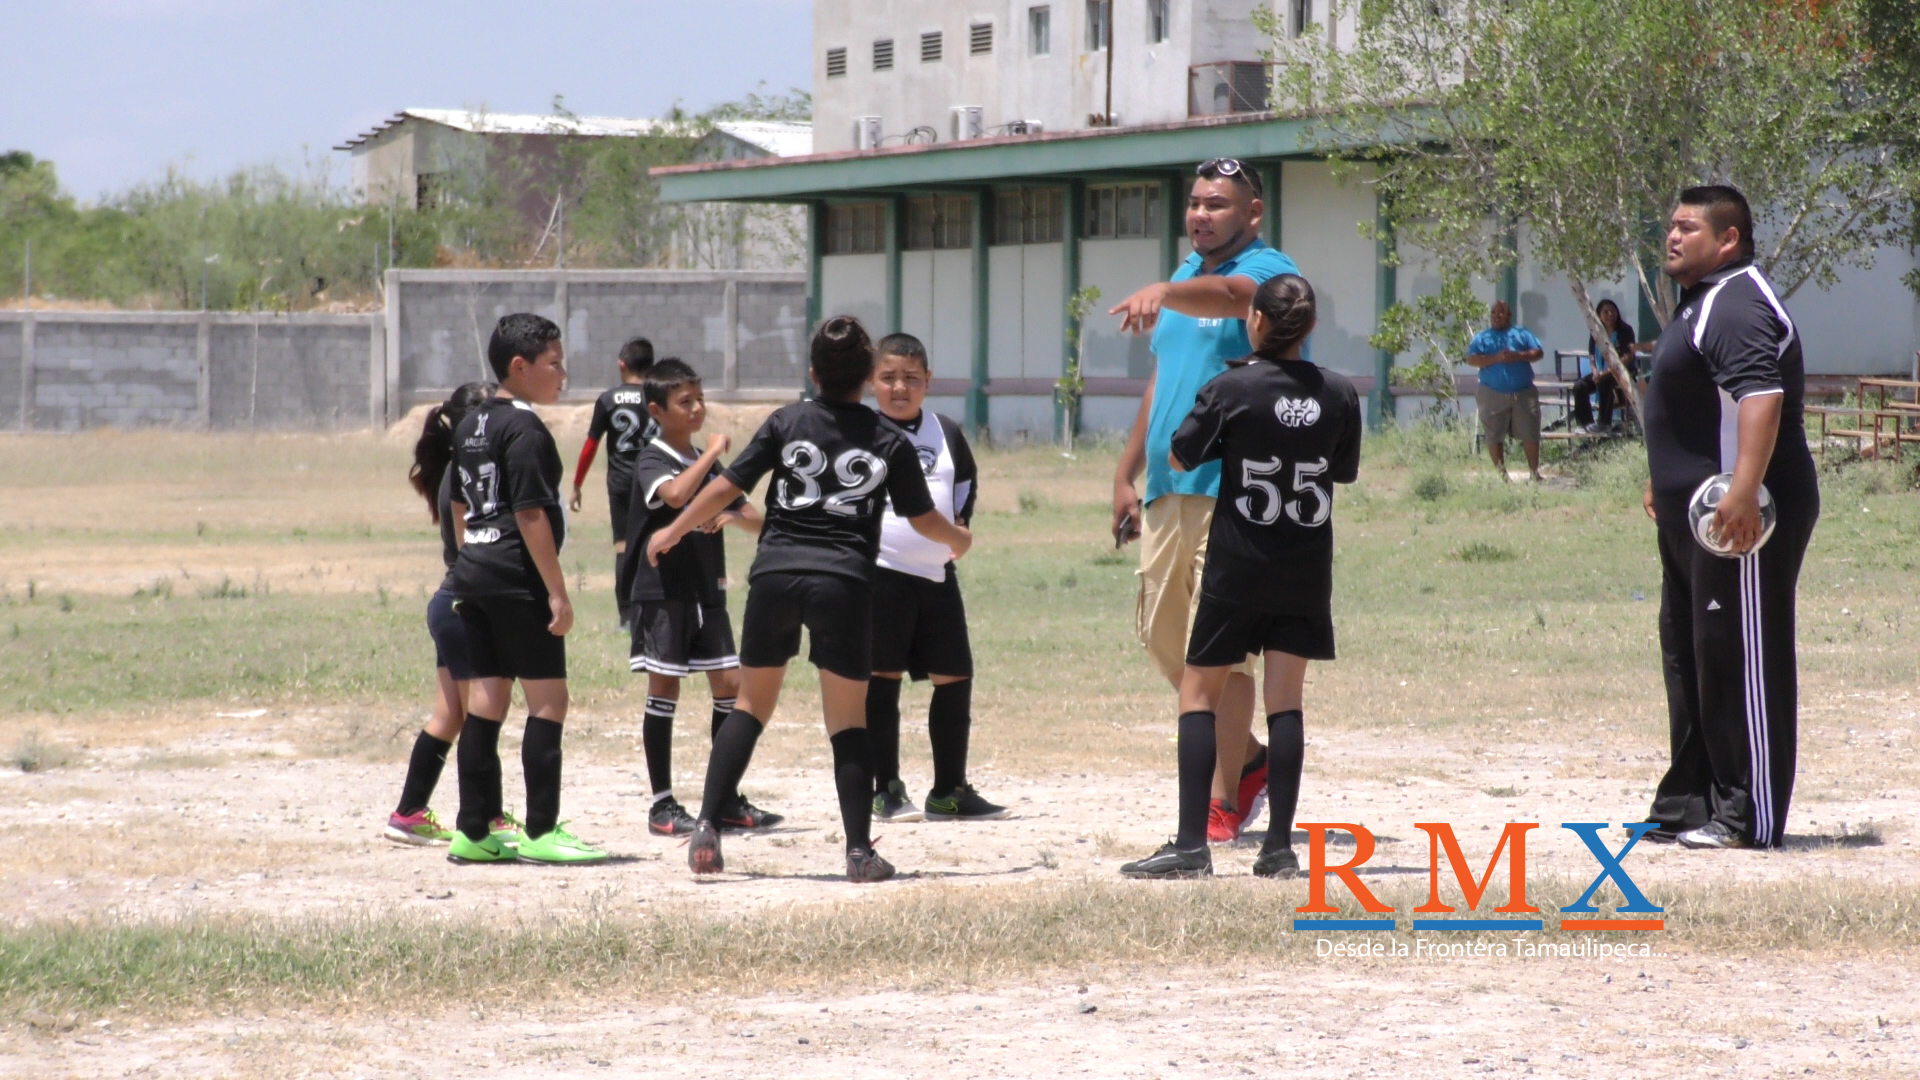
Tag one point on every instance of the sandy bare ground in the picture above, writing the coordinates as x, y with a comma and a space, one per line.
1672, 1016
264, 814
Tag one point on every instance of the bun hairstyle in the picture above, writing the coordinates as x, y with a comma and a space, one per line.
841, 356
434, 450
1286, 303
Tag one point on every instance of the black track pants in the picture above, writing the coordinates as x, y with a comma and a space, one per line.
1726, 639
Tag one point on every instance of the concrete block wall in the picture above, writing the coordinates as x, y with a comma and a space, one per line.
743, 331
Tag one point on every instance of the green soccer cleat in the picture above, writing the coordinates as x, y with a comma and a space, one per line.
892, 805
489, 850
558, 847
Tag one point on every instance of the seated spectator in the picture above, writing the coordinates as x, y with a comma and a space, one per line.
1601, 381
1507, 399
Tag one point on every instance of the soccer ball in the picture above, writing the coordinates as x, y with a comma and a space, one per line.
1706, 499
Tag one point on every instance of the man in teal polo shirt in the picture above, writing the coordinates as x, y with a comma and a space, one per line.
1198, 323
1506, 398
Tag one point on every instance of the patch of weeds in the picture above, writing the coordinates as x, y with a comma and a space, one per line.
35, 754
199, 528
1110, 558
228, 589
1864, 834
161, 589
1482, 551
1508, 792
385, 594
1071, 580
33, 590
66, 604
1029, 502
299, 533
1045, 860
1431, 487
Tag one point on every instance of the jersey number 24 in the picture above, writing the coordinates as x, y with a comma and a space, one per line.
1271, 503
859, 473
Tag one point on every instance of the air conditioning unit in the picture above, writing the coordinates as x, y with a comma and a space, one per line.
1025, 127
966, 122
866, 133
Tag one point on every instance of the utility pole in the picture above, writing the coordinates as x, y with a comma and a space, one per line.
1109, 113
26, 298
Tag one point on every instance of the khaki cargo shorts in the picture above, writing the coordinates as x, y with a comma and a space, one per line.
1502, 415
1173, 553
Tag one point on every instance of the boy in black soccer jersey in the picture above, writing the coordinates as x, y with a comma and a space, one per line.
832, 458
621, 410
681, 624
1285, 431
513, 596
919, 620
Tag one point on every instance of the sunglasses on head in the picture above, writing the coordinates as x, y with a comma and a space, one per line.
1231, 169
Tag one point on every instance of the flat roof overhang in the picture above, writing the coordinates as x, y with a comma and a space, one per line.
1151, 149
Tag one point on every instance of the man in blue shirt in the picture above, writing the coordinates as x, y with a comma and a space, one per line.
1198, 323
1507, 399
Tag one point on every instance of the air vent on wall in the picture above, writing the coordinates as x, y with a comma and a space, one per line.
930, 47
836, 63
883, 55
980, 38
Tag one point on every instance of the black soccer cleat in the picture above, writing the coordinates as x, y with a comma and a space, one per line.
669, 818
1714, 834
1278, 863
865, 866
703, 850
1171, 863
737, 814
963, 804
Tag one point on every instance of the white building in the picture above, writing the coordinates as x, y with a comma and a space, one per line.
972, 228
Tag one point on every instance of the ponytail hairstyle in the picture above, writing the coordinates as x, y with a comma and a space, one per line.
841, 356
434, 451
1286, 303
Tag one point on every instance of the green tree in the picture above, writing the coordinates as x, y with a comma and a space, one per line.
1584, 118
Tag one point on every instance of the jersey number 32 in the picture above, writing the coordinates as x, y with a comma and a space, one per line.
1312, 508
859, 474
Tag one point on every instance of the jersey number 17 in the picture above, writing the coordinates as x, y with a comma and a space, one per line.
1311, 509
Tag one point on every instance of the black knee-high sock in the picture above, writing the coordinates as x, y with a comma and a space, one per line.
656, 735
722, 706
540, 757
853, 779
732, 750
620, 599
1196, 778
883, 730
423, 772
949, 722
478, 763
1286, 758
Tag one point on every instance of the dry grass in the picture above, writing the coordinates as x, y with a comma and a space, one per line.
932, 937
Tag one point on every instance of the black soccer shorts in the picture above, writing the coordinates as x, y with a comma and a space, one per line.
679, 637
1225, 635
920, 626
449, 633
836, 611
508, 639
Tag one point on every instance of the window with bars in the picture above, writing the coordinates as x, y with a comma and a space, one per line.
1099, 18
1122, 211
939, 222
836, 63
856, 228
883, 55
930, 43
980, 38
1035, 215
1159, 21
1039, 31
